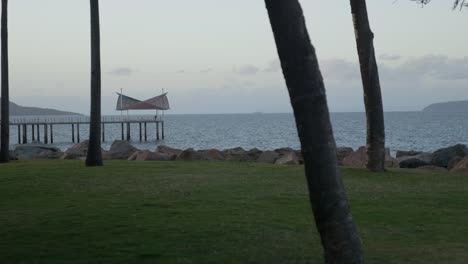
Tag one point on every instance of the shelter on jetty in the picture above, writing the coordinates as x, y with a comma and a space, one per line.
124, 103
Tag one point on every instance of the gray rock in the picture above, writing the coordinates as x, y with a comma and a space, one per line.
168, 150
146, 155
120, 149
76, 151
442, 157
404, 153
288, 158
412, 163
211, 154
341, 153
190, 154
358, 159
268, 157
423, 156
13, 155
239, 154
32, 151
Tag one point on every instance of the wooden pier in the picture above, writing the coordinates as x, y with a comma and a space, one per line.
46, 127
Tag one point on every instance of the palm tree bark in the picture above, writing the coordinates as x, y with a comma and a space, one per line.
5, 100
371, 85
94, 155
301, 71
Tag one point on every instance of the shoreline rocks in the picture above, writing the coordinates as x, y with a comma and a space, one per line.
453, 158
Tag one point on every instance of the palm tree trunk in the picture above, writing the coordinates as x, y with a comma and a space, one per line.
5, 124
94, 155
371, 85
301, 71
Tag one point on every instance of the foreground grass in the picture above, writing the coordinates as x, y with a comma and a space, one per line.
201, 212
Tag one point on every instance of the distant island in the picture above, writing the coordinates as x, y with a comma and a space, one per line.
455, 106
17, 110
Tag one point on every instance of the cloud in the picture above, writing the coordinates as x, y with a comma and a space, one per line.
389, 57
340, 70
122, 71
247, 70
273, 66
435, 67
208, 70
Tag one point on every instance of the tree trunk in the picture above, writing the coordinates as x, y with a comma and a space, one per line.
5, 108
94, 155
301, 71
371, 85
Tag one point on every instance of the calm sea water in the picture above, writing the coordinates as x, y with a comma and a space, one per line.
405, 130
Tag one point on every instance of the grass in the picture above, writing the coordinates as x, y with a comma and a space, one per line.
202, 212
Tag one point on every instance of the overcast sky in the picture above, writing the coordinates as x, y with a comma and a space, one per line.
218, 56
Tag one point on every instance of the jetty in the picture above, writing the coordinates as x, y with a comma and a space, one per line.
42, 129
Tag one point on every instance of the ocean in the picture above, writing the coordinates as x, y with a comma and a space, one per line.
424, 131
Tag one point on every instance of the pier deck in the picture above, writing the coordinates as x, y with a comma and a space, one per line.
45, 127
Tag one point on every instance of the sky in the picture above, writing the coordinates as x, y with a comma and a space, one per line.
219, 56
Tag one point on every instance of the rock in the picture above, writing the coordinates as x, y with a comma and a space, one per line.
283, 151
190, 154
76, 151
253, 154
403, 153
13, 155
359, 159
288, 158
268, 157
433, 168
423, 156
453, 162
461, 167
412, 163
120, 149
239, 154
341, 153
32, 151
168, 150
443, 156
146, 155
211, 154
50, 155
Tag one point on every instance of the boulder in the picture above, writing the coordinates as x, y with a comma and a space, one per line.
146, 155
443, 156
190, 154
32, 151
461, 167
239, 154
253, 154
404, 153
283, 151
423, 156
211, 154
120, 149
288, 158
268, 157
412, 163
76, 151
341, 153
50, 155
168, 150
13, 155
453, 162
359, 159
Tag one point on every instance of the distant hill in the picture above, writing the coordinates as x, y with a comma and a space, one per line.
17, 110
456, 106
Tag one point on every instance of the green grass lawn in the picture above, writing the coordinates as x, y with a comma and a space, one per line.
218, 212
